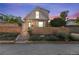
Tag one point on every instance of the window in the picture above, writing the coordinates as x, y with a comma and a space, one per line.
29, 24
37, 14
40, 24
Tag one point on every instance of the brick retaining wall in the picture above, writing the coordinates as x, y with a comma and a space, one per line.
49, 30
73, 28
8, 27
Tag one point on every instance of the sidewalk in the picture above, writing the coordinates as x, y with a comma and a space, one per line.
4, 42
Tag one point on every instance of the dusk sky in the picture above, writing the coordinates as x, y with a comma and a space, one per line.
21, 9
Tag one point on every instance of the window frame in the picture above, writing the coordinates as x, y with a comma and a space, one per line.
37, 14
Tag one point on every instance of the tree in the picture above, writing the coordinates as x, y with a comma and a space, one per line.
1, 17
64, 14
57, 22
13, 19
77, 20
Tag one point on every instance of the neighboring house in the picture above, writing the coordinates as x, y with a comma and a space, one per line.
71, 22
2, 18
72, 25
37, 18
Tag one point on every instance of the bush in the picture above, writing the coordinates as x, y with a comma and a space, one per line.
52, 37
63, 36
30, 31
8, 36
74, 37
43, 38
57, 22
35, 38
60, 36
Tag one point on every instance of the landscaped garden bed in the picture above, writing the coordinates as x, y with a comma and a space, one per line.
55, 37
50, 37
59, 38
7, 36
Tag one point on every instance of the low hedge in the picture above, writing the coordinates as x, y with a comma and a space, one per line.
8, 36
55, 37
52, 37
63, 36
74, 37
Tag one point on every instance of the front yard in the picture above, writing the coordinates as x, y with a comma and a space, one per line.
6, 36
55, 37
40, 38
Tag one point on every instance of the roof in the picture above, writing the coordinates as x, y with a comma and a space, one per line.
41, 8
37, 8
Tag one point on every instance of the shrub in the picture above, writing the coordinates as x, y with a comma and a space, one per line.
74, 37
63, 36
30, 31
57, 22
35, 38
8, 36
43, 38
51, 38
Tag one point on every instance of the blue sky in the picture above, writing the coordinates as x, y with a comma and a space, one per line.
22, 9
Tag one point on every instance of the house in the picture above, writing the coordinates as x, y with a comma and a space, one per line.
71, 22
72, 25
2, 18
37, 18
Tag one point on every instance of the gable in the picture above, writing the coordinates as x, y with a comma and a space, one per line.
43, 14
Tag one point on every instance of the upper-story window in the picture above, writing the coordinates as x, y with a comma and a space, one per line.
37, 14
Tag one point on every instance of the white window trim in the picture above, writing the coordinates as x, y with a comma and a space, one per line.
40, 24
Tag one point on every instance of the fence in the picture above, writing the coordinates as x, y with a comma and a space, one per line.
7, 27
73, 28
49, 30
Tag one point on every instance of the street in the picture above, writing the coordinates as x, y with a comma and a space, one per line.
39, 49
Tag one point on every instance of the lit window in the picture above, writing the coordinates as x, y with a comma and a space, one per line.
40, 24
37, 14
29, 24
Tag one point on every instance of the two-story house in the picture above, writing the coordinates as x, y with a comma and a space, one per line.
35, 19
